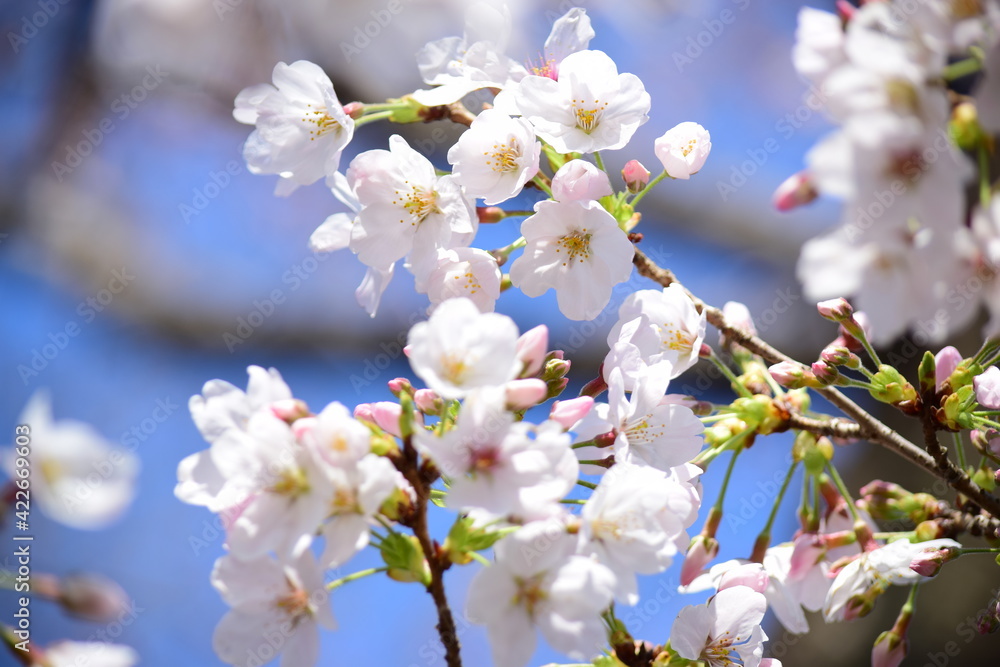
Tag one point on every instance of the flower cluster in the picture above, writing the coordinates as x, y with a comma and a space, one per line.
568, 107
904, 248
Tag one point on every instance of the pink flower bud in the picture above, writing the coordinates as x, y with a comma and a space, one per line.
571, 411
889, 650
789, 374
945, 363
427, 401
836, 355
578, 180
364, 411
290, 409
490, 214
928, 563
635, 175
399, 385
797, 190
700, 553
595, 387
302, 426
354, 109
769, 662
825, 373
751, 575
532, 348
92, 597
846, 10
987, 386
386, 415
836, 310
524, 394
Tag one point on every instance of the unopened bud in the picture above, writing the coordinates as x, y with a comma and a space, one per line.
489, 215
945, 363
929, 563
964, 126
428, 401
791, 374
532, 350
635, 175
399, 386
92, 597
290, 409
836, 355
825, 374
354, 109
835, 310
524, 394
569, 412
797, 190
700, 553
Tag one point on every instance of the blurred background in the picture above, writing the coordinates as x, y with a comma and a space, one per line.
119, 157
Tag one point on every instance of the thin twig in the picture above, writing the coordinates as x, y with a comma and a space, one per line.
407, 464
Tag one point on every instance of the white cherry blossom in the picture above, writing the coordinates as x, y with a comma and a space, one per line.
463, 272
499, 465
590, 108
683, 149
635, 523
405, 207
670, 328
579, 180
78, 477
460, 348
537, 582
577, 249
495, 157
271, 601
92, 654
301, 127
723, 631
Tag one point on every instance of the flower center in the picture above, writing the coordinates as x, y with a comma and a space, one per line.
291, 482
419, 203
483, 459
588, 116
529, 593
546, 68
51, 471
504, 157
295, 604
576, 245
454, 368
322, 120
676, 339
641, 433
470, 286
345, 501
688, 147
903, 97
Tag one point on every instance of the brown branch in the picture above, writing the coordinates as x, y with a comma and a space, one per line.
407, 463
833, 428
869, 427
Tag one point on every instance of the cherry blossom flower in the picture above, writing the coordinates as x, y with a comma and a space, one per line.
463, 272
78, 478
860, 582
271, 601
495, 157
635, 523
670, 328
499, 465
683, 149
538, 582
577, 249
459, 349
286, 484
405, 207
650, 428
359, 492
335, 436
590, 108
301, 127
724, 630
